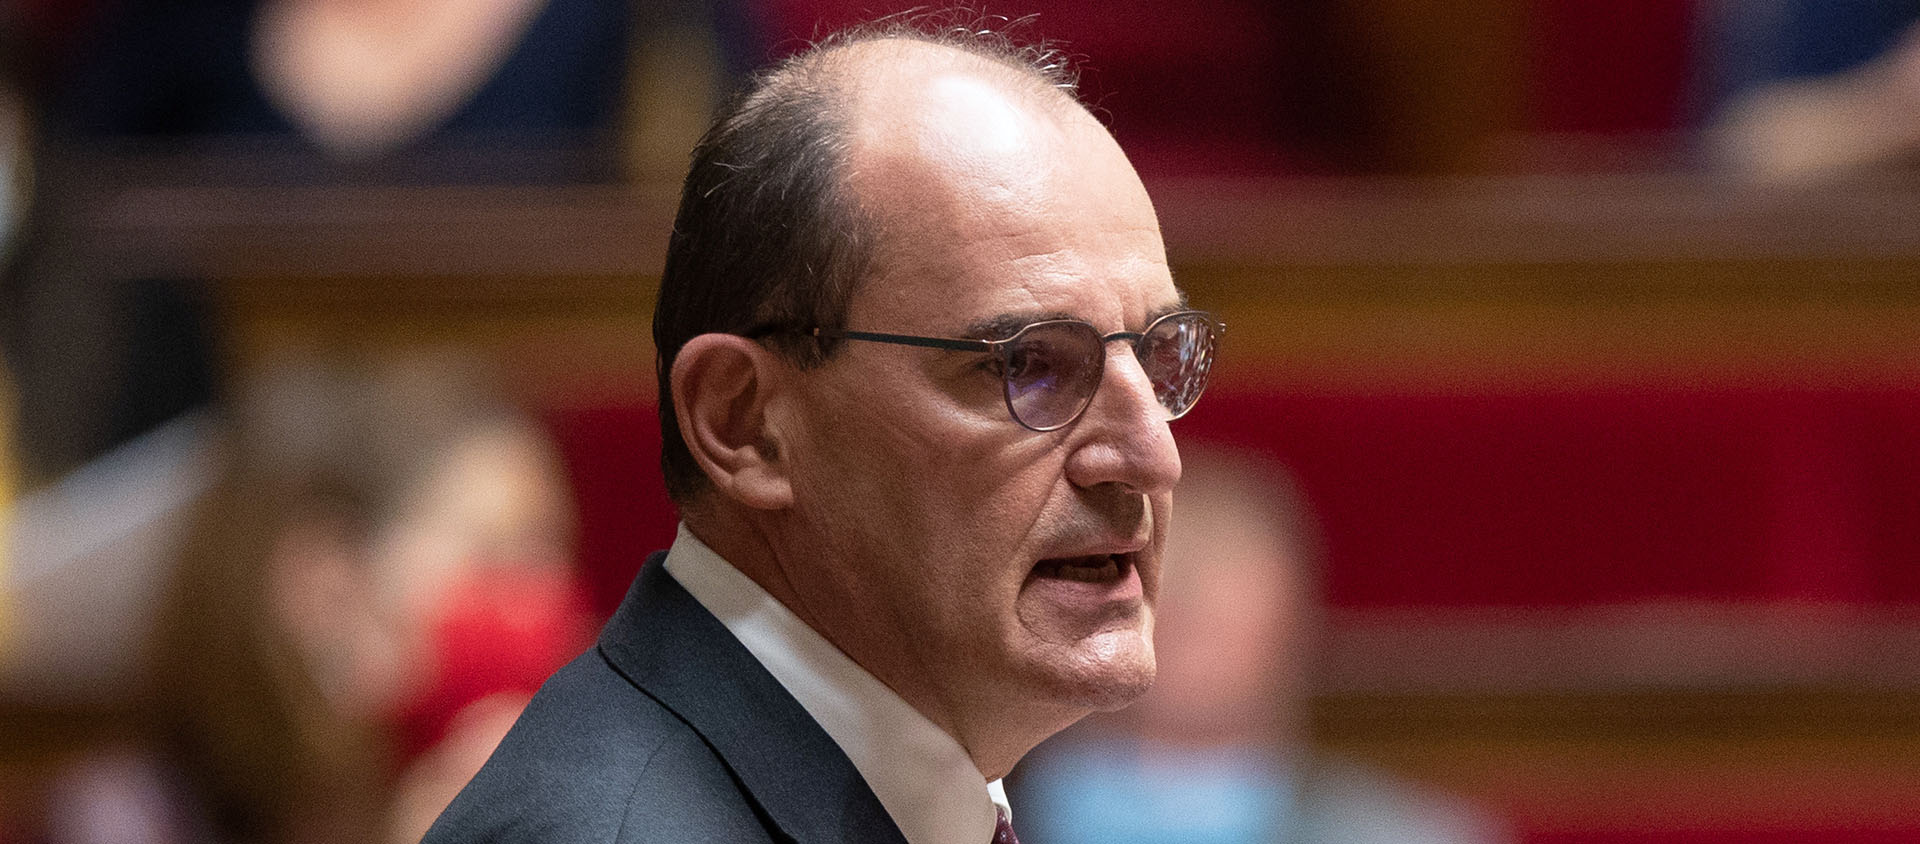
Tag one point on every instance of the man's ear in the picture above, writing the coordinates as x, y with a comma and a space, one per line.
721, 385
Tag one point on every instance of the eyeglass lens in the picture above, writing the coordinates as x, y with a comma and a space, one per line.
1053, 368
1051, 371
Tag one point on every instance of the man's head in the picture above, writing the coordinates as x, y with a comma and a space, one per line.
1000, 579
768, 231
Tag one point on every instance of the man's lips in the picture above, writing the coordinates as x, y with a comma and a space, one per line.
1087, 568
1077, 595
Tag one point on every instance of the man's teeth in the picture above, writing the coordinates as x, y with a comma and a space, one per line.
1090, 569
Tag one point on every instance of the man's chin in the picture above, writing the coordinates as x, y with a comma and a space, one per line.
1119, 692
1110, 671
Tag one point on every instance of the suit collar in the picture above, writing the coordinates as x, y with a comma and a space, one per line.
925, 779
665, 643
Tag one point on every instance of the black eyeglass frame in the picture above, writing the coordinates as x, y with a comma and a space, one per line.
999, 347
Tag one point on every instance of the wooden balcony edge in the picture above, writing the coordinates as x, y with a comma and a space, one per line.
612, 230
1655, 646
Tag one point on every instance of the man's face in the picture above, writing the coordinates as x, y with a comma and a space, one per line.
970, 563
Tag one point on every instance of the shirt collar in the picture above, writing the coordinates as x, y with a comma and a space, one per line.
924, 778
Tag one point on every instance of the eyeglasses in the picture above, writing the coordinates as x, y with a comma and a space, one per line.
1052, 368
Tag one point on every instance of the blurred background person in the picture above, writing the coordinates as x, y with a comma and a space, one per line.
1812, 89
292, 93
355, 81
363, 598
1219, 751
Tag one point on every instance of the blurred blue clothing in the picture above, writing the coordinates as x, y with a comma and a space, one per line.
1113, 791
1109, 792
181, 70
1749, 44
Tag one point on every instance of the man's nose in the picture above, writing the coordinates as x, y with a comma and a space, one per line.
1124, 436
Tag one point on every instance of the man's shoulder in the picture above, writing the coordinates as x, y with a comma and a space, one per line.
595, 759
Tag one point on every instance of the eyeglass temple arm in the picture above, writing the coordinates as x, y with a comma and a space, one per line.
907, 340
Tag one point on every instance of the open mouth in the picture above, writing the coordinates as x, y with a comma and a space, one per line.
1093, 568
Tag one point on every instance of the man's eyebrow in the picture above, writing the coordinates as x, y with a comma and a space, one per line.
1002, 326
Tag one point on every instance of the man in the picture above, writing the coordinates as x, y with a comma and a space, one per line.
924, 470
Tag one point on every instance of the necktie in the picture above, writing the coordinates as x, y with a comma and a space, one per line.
1003, 828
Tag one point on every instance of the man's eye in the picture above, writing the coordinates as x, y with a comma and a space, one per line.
1011, 365
1028, 365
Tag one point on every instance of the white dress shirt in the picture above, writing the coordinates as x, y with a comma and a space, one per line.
926, 781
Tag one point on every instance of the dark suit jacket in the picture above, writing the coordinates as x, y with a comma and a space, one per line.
667, 731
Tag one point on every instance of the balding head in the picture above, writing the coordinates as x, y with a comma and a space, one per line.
939, 138
769, 233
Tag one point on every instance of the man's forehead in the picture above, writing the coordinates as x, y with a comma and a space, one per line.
999, 191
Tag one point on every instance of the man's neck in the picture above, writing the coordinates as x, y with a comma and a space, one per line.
996, 733
920, 772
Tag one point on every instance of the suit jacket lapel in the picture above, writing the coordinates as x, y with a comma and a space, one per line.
669, 646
